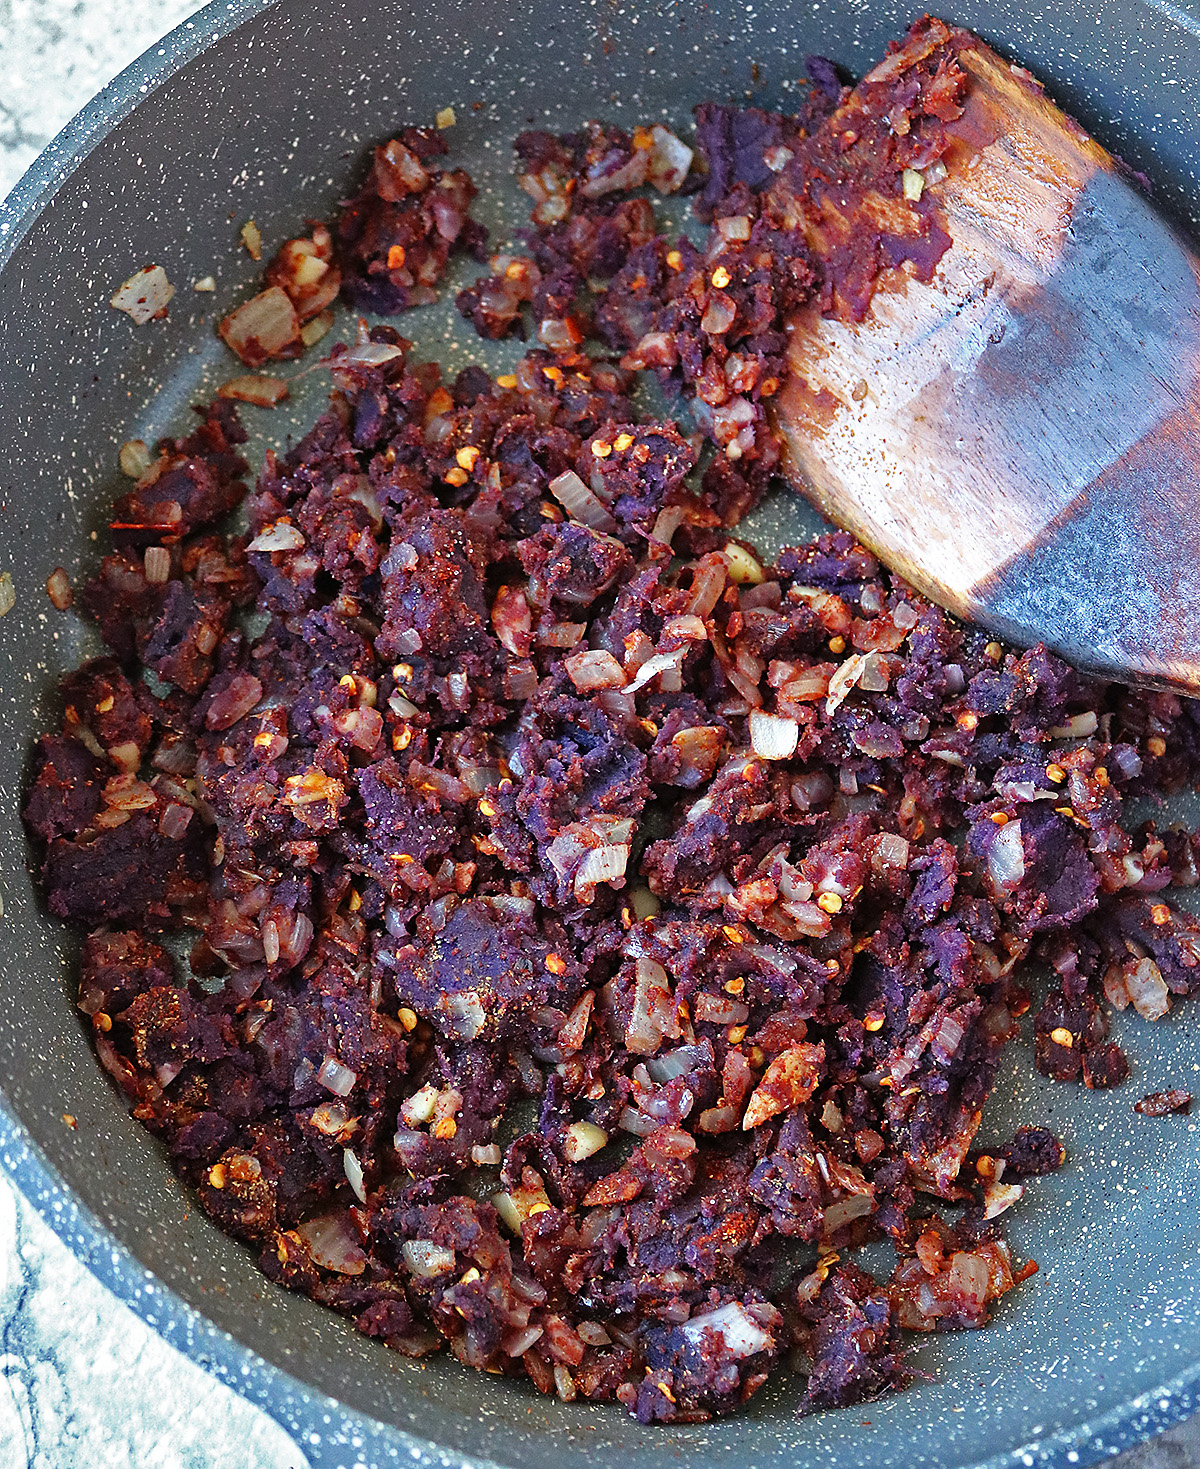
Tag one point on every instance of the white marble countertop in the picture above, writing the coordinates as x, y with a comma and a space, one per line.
72, 1357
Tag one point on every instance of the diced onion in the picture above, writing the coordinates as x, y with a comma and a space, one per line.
583, 1139
670, 160
144, 295
594, 669
278, 537
773, 737
259, 389
426, 1259
266, 326
332, 1244
740, 1332
580, 503
1006, 858
354, 1175
136, 458
335, 1077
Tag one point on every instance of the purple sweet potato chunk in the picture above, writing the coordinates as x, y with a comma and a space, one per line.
66, 790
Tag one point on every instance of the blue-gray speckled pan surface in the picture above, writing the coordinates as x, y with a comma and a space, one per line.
257, 109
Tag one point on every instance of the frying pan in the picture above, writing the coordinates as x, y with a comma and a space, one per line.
259, 109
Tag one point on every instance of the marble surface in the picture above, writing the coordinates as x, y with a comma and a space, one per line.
71, 1355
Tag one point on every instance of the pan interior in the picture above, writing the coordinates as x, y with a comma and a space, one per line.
270, 123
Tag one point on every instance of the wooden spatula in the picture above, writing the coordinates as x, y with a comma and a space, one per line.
1020, 437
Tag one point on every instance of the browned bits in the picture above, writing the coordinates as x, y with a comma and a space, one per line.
70, 1121
58, 589
967, 720
1162, 1104
506, 380
837, 643
445, 1129
103, 1021
873, 1021
1055, 773
1160, 914
1000, 818
457, 477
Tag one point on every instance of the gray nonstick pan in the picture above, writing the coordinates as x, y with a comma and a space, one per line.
263, 110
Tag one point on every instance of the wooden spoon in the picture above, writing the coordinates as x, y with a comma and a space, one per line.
1020, 438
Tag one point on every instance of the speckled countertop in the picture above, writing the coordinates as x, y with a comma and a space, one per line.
72, 1357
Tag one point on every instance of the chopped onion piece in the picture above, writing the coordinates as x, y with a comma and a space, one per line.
426, 1259
594, 669
464, 1014
601, 864
157, 561
371, 354
312, 331
582, 1140
1147, 989
259, 389
145, 295
846, 677
281, 536
335, 1077
735, 227
670, 160
1006, 858
742, 1334
659, 664
744, 569
58, 589
1078, 727
580, 503
252, 239
354, 1175
136, 458
772, 737
332, 1244
266, 326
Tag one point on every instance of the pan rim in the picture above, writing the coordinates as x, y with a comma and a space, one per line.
324, 1427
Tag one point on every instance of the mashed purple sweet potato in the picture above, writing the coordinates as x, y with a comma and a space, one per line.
584, 914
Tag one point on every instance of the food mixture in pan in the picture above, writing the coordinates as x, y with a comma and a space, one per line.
594, 932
